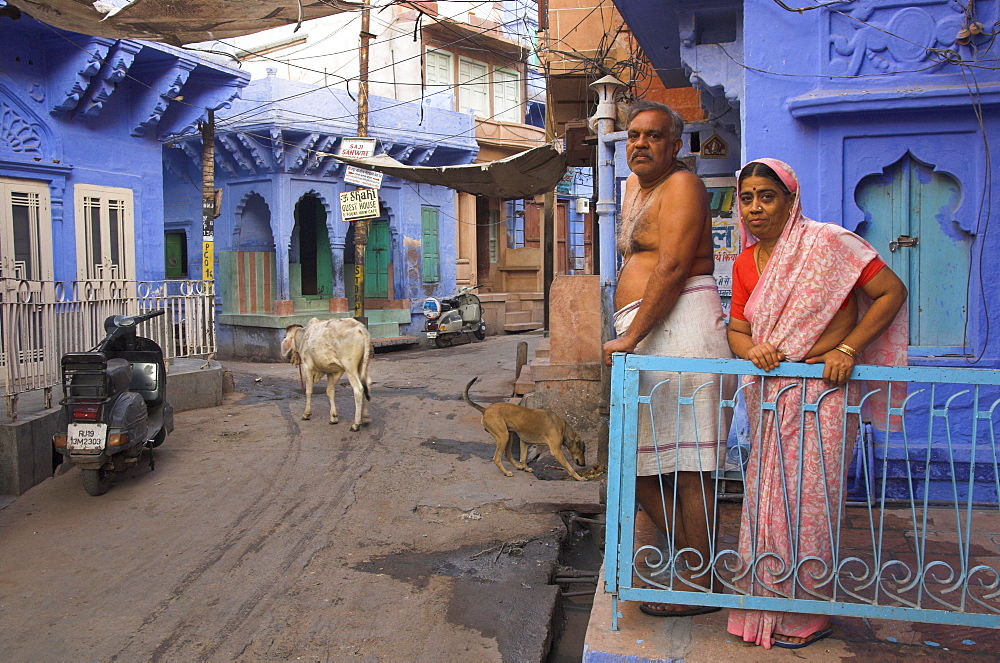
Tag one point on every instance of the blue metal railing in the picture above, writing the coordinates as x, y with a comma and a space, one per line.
916, 540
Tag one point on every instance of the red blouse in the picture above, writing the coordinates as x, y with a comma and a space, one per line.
745, 278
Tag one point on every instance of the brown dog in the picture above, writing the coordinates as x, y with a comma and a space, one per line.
506, 421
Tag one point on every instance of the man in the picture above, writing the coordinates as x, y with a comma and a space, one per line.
668, 305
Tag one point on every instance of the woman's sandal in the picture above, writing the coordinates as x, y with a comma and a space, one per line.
815, 637
687, 611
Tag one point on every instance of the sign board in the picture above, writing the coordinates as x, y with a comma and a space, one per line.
362, 177
359, 204
207, 260
725, 233
356, 148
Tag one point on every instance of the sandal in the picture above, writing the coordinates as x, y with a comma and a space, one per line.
688, 611
815, 637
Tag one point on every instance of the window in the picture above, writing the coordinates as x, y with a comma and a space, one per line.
494, 222
431, 263
175, 255
104, 233
439, 75
25, 230
515, 224
507, 96
474, 83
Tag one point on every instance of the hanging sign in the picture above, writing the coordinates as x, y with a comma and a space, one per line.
359, 204
362, 177
356, 148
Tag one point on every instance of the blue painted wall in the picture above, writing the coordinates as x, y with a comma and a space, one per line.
93, 111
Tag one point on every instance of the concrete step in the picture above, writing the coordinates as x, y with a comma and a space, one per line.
525, 383
389, 341
514, 317
522, 326
383, 329
542, 349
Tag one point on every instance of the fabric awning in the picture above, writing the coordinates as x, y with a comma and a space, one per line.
176, 22
521, 175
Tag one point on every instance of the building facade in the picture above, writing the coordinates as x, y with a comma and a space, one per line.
82, 120
285, 255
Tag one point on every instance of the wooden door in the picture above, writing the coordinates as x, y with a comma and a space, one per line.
910, 219
377, 255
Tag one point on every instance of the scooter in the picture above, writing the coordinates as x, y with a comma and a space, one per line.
114, 403
451, 317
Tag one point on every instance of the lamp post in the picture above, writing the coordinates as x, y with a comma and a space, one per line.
607, 89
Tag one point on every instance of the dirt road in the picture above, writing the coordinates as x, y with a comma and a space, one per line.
263, 536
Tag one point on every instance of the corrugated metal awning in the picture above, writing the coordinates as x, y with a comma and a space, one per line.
177, 22
522, 175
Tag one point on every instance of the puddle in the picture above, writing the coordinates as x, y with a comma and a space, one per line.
581, 562
464, 449
497, 589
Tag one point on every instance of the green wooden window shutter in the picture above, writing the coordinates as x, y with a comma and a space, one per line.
431, 263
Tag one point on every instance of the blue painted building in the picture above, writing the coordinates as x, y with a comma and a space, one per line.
888, 113
283, 249
82, 120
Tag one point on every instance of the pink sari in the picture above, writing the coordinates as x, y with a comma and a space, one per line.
793, 490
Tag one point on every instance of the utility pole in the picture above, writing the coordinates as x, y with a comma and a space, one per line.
549, 200
208, 197
361, 225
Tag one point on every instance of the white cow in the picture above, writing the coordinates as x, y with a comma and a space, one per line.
332, 348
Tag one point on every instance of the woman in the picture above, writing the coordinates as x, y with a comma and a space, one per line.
812, 292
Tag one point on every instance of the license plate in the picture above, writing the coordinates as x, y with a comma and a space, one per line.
86, 437
432, 334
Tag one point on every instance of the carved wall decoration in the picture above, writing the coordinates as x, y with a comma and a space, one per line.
862, 37
115, 69
90, 64
150, 118
36, 92
17, 134
714, 148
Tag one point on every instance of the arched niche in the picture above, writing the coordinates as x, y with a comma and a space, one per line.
252, 230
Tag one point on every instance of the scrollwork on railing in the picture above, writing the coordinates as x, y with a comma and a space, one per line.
916, 530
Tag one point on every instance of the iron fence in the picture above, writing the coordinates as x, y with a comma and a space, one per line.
846, 510
42, 320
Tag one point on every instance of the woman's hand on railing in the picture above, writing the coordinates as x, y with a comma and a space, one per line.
765, 356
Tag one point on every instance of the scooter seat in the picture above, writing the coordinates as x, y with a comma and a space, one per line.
119, 373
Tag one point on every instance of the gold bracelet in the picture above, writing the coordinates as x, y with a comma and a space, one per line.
846, 349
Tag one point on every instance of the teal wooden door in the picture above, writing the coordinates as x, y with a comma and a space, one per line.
910, 200
377, 260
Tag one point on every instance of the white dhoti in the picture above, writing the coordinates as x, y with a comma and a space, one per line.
685, 437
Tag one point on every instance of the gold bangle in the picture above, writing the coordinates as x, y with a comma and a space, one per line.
846, 349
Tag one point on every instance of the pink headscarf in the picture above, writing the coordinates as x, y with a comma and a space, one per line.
811, 271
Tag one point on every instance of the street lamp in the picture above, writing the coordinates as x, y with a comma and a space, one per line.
607, 89
603, 121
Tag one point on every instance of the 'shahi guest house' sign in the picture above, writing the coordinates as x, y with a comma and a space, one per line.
359, 204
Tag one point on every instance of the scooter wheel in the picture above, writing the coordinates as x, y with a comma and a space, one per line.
159, 438
443, 341
96, 482
480, 332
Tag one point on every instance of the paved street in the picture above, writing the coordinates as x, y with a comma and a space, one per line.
262, 536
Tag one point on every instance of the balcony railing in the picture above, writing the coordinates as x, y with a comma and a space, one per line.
902, 525
42, 320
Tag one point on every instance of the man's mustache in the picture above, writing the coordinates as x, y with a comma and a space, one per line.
641, 153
